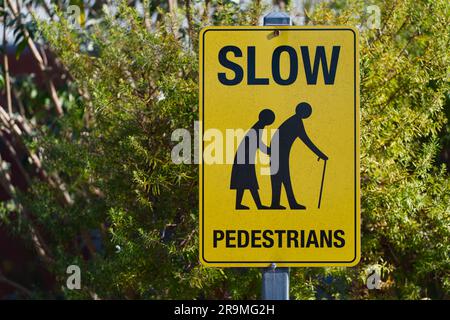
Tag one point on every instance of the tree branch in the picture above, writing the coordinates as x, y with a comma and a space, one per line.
41, 248
40, 60
189, 21
6, 64
15, 285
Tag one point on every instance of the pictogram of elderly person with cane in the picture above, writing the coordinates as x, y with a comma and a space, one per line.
285, 136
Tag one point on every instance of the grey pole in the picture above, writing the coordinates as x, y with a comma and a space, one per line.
275, 281
277, 19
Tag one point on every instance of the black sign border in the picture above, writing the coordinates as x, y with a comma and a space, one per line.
355, 145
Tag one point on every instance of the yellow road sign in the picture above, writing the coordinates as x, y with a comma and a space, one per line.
279, 174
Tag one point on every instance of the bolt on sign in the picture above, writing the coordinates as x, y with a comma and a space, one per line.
279, 172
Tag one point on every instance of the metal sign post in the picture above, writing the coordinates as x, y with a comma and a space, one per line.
275, 281
277, 19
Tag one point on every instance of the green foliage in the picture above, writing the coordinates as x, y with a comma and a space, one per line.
112, 150
117, 163
405, 194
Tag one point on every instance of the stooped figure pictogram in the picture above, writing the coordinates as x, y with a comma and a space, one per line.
286, 135
243, 176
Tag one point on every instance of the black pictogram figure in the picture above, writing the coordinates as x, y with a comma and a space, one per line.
243, 174
286, 135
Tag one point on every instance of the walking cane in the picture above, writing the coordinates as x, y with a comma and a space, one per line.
323, 178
